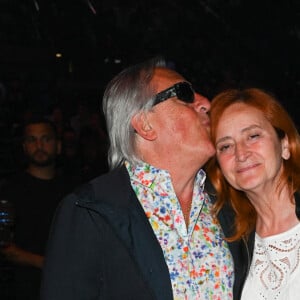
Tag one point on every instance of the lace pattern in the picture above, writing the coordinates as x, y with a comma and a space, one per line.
274, 266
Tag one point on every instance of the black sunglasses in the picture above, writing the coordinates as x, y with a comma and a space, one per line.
182, 90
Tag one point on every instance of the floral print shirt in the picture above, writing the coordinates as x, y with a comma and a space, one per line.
198, 258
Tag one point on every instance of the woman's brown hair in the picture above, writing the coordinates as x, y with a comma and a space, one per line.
245, 215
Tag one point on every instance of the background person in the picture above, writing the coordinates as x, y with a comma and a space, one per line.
256, 173
145, 229
35, 194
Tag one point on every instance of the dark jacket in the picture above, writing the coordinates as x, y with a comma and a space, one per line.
241, 251
102, 227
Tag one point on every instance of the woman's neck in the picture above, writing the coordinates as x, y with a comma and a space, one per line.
276, 216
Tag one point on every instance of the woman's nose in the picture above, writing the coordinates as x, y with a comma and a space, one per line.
241, 152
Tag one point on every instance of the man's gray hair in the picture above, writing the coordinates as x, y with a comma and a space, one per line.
127, 94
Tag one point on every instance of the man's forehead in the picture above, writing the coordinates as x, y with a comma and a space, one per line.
164, 77
38, 128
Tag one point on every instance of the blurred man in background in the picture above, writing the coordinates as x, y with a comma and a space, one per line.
34, 194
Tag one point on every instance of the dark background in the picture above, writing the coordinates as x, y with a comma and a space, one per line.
215, 43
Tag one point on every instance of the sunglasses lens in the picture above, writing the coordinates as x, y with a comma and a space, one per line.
185, 92
182, 90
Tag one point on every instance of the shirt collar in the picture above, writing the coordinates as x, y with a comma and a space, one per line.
147, 175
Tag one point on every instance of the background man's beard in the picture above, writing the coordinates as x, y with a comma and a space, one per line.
41, 163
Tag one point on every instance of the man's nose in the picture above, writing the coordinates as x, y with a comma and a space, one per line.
201, 104
39, 143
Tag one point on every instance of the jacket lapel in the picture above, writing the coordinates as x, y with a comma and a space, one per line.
122, 210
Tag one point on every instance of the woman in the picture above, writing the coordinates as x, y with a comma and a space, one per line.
256, 173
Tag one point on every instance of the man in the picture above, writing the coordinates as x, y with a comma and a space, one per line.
144, 230
35, 194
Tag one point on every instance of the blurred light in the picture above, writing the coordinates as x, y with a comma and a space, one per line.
36, 5
58, 55
70, 67
91, 7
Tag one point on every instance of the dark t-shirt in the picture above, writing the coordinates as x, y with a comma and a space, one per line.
35, 201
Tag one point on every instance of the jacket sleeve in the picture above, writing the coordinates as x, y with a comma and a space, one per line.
73, 258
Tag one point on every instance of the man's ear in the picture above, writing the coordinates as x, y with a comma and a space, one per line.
142, 126
58, 147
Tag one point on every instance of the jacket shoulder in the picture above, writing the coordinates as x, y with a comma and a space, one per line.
108, 188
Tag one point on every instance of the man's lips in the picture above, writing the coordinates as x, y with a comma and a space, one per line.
39, 153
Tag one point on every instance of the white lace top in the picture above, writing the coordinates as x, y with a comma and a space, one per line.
275, 269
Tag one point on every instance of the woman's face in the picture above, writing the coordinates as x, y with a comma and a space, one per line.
248, 149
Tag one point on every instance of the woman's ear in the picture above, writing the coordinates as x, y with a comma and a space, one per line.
285, 148
142, 126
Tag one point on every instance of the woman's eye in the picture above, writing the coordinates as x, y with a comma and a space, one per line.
224, 148
254, 136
